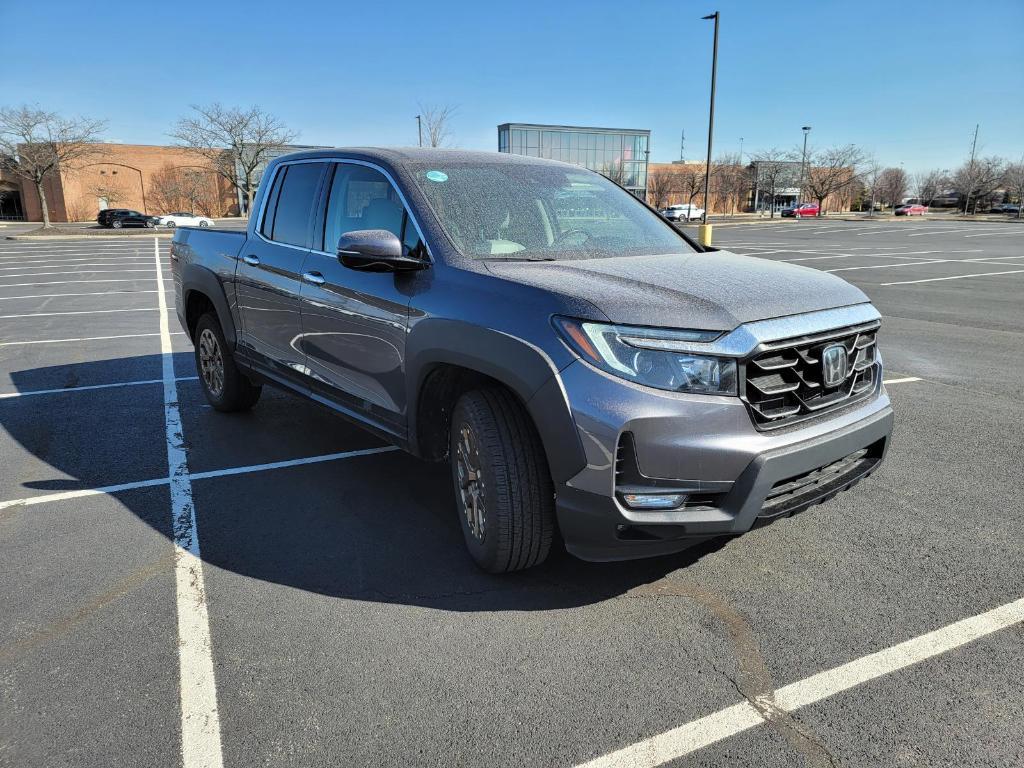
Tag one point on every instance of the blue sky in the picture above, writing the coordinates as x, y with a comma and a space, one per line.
907, 81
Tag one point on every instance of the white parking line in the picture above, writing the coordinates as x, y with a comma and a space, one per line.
87, 338
63, 390
76, 282
200, 723
80, 312
79, 272
996, 234
887, 266
104, 490
904, 380
46, 261
738, 718
62, 295
956, 277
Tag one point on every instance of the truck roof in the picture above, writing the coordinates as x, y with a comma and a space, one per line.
402, 155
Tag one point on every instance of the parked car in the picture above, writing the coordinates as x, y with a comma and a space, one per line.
122, 217
104, 217
911, 209
184, 219
801, 210
682, 212
582, 365
1004, 208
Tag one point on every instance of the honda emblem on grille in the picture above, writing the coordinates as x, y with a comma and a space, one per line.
833, 365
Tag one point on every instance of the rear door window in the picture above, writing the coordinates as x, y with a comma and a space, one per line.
289, 222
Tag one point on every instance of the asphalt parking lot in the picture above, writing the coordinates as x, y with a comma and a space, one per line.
337, 620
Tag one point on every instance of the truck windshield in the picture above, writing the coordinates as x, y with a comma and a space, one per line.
514, 211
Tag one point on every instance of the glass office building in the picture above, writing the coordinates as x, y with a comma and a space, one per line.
618, 153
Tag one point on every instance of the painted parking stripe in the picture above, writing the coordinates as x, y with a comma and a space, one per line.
696, 735
48, 498
80, 272
995, 234
955, 277
64, 295
200, 723
80, 312
87, 338
904, 380
76, 282
87, 387
887, 266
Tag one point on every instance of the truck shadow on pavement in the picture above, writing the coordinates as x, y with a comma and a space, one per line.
379, 528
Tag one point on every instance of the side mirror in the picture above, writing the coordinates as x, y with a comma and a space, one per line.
375, 250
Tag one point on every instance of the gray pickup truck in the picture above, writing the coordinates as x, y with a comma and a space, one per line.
592, 375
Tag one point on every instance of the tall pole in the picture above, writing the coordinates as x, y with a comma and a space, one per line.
803, 161
741, 150
974, 146
682, 144
419, 128
711, 114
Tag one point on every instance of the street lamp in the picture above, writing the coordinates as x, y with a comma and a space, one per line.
711, 113
803, 162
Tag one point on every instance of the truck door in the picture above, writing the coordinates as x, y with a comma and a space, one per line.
269, 271
354, 323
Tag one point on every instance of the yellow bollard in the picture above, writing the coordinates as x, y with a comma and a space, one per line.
704, 234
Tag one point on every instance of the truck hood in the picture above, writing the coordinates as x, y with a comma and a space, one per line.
717, 290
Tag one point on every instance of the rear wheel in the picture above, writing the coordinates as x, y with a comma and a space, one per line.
116, 224
203, 224
503, 489
226, 388
171, 224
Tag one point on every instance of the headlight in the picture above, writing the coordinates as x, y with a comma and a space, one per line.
654, 357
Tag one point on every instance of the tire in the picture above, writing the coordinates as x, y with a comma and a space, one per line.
498, 462
203, 224
226, 388
171, 225
150, 225
116, 224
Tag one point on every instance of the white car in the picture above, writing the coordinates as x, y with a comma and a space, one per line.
183, 219
682, 213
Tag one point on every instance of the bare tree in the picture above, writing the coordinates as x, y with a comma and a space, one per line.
977, 179
1013, 178
437, 120
43, 143
660, 184
871, 179
775, 170
185, 189
731, 181
614, 171
928, 185
892, 186
691, 180
830, 172
238, 143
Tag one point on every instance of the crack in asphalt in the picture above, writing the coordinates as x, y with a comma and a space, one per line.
753, 681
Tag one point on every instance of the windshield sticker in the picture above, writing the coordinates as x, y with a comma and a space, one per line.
437, 176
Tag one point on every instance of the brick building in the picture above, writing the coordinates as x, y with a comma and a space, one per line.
147, 178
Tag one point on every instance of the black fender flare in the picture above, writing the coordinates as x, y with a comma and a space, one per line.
525, 369
199, 279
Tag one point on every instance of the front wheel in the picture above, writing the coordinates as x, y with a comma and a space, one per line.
503, 489
116, 224
226, 388
171, 224
203, 224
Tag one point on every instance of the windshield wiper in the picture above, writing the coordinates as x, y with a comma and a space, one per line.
519, 258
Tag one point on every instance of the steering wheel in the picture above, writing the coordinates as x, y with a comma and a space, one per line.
562, 237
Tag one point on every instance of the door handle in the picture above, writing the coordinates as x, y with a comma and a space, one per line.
314, 278
252, 261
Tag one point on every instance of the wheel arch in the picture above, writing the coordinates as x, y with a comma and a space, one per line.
201, 290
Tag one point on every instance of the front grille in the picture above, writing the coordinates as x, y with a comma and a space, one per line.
785, 381
796, 493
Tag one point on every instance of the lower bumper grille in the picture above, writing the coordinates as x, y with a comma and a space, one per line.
797, 493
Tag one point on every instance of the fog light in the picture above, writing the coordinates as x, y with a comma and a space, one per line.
653, 500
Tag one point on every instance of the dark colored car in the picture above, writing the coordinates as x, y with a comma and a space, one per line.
593, 376
1010, 208
801, 211
123, 217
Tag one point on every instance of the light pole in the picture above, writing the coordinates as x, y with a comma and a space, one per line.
803, 162
741, 150
711, 113
419, 128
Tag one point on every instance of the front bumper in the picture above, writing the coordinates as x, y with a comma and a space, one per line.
708, 444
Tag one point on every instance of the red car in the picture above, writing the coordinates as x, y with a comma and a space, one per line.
913, 209
801, 211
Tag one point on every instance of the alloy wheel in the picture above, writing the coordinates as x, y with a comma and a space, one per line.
211, 362
471, 483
